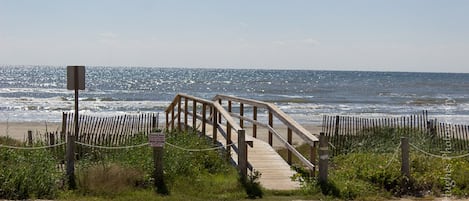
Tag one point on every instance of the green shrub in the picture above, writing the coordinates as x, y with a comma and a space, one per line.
28, 174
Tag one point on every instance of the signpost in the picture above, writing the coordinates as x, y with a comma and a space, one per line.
157, 140
75, 81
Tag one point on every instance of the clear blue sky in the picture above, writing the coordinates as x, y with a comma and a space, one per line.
391, 35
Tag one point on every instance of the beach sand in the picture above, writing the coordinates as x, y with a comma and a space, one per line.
19, 130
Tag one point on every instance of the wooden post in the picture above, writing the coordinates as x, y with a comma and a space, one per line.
194, 114
51, 138
289, 139
64, 127
242, 160
70, 157
167, 119
204, 117
241, 113
254, 126
405, 165
312, 157
215, 125
337, 124
30, 138
219, 114
271, 124
158, 171
228, 141
186, 123
323, 158
172, 117
179, 114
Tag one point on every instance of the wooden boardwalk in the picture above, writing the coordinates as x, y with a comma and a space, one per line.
275, 172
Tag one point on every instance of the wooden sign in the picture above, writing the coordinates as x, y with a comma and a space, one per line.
75, 77
156, 139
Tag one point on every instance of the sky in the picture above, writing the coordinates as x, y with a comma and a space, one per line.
374, 35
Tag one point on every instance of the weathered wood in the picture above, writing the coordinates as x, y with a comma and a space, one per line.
70, 161
323, 158
215, 126
186, 123
271, 124
405, 165
204, 117
194, 114
242, 148
289, 140
241, 113
254, 126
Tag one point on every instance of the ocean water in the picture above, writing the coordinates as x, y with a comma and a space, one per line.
38, 93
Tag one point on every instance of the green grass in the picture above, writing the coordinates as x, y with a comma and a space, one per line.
27, 173
369, 168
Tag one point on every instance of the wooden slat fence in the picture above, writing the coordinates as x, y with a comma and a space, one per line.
346, 133
109, 131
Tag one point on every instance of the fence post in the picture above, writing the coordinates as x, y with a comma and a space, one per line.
70, 157
405, 165
242, 160
30, 138
323, 157
158, 171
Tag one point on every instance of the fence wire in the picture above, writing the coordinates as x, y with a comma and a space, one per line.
32, 148
200, 150
438, 156
106, 147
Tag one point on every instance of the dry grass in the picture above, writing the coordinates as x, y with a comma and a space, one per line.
108, 178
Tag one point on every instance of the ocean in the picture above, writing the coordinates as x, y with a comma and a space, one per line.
38, 93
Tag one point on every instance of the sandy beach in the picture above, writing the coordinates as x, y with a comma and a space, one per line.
18, 130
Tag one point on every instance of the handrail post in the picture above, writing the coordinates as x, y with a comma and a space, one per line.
172, 117
254, 126
167, 119
204, 116
186, 123
215, 125
179, 113
289, 139
241, 113
219, 114
242, 160
228, 141
313, 156
194, 114
271, 124
323, 158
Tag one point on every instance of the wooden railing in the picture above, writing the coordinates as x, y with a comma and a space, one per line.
273, 111
212, 113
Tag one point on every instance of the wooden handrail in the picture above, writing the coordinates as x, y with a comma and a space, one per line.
284, 118
217, 111
291, 124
